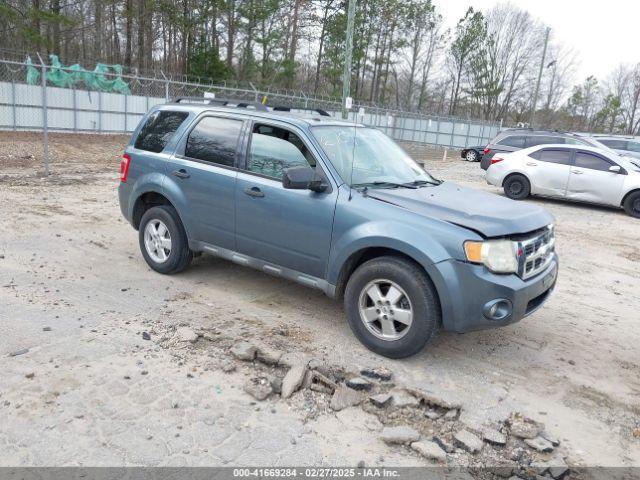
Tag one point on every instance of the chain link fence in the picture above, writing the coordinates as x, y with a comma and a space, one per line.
29, 101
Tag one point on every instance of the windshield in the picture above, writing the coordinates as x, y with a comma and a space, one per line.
367, 157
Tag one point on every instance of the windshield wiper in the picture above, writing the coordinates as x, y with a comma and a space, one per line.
419, 183
380, 184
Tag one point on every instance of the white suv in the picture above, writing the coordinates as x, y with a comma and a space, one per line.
572, 172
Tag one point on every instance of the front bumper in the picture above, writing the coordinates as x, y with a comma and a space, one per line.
472, 288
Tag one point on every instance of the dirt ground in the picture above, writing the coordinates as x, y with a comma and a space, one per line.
81, 386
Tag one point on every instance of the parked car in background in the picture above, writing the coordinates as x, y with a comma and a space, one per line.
629, 146
339, 207
572, 172
472, 154
514, 139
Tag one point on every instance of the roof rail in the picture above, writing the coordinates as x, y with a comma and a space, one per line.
320, 111
222, 102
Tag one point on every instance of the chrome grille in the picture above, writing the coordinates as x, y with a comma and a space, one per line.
537, 253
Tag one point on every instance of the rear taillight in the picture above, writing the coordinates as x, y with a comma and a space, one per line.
496, 160
486, 150
125, 161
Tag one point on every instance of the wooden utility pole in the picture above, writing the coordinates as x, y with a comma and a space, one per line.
346, 74
535, 95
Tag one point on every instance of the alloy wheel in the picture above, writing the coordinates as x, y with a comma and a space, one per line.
385, 309
157, 241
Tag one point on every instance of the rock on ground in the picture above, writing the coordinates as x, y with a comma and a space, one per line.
244, 351
344, 397
446, 445
494, 437
556, 467
293, 379
259, 388
359, 383
380, 373
468, 441
439, 399
523, 427
539, 444
268, 356
380, 400
400, 398
185, 334
399, 435
430, 450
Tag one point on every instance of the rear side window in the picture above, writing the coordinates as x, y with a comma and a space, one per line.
158, 130
613, 143
633, 146
214, 140
591, 161
543, 140
562, 157
513, 141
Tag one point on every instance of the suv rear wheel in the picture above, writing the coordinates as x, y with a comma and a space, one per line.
632, 204
517, 187
392, 306
163, 241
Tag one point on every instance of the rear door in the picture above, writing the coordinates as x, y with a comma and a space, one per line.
548, 169
288, 228
204, 171
591, 181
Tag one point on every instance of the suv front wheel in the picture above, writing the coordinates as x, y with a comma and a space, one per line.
392, 306
163, 241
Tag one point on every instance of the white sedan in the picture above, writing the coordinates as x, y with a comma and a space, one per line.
572, 172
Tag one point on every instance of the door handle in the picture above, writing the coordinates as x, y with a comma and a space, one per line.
182, 173
577, 172
532, 164
253, 192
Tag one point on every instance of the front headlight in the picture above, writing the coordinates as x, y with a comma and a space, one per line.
499, 256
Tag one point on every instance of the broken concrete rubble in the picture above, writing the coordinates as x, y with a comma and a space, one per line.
403, 435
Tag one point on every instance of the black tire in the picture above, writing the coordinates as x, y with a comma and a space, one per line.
421, 294
471, 156
632, 204
180, 255
517, 187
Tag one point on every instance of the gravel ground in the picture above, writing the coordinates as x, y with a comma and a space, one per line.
76, 298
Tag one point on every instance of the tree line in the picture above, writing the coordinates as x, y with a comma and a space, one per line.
485, 67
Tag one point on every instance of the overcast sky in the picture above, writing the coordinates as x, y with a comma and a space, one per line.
604, 34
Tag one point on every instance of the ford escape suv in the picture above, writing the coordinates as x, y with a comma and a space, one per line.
338, 207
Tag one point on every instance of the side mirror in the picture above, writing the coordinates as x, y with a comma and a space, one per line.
615, 168
302, 178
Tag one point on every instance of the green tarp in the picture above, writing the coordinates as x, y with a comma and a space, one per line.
103, 78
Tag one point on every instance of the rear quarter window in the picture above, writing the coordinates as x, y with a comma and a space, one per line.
158, 130
614, 143
516, 141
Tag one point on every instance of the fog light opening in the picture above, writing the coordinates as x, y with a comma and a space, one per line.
498, 309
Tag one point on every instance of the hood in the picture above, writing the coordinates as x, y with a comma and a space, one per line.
486, 213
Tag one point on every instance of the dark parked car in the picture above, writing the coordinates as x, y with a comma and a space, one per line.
472, 154
337, 207
514, 139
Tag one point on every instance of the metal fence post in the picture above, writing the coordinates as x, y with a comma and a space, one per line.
13, 104
100, 112
166, 90
126, 111
45, 120
75, 110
